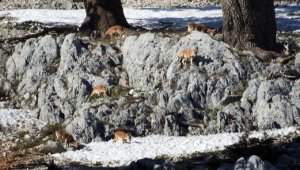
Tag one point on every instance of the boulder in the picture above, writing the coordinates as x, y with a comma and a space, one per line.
50, 114
273, 107
157, 120
51, 147
17, 64
231, 119
152, 62
78, 88
171, 126
72, 50
254, 162
86, 127
3, 59
63, 4
297, 60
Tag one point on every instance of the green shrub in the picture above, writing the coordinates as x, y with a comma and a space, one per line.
98, 163
162, 157
49, 130
21, 134
118, 92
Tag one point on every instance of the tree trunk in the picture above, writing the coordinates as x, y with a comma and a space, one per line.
249, 23
102, 14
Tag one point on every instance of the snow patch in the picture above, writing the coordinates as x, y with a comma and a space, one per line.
152, 17
111, 154
19, 119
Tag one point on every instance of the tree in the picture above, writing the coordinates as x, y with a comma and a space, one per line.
246, 23
249, 23
102, 14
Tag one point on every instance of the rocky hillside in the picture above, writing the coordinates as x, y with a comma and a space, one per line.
149, 90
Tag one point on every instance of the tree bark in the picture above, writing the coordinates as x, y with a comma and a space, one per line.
102, 14
249, 23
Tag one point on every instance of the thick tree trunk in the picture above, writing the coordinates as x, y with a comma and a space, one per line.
102, 14
249, 23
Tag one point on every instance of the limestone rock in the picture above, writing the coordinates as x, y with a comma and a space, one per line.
254, 162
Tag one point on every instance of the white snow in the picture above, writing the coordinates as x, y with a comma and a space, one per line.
151, 17
19, 119
118, 154
47, 17
175, 17
272, 133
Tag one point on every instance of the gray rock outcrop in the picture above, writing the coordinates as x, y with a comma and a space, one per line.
157, 64
51, 147
213, 76
85, 128
149, 91
272, 102
254, 162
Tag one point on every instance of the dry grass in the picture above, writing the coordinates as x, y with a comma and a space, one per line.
18, 160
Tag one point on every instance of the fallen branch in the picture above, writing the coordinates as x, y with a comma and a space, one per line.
46, 30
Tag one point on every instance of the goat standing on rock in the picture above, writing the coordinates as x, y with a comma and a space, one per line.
187, 54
